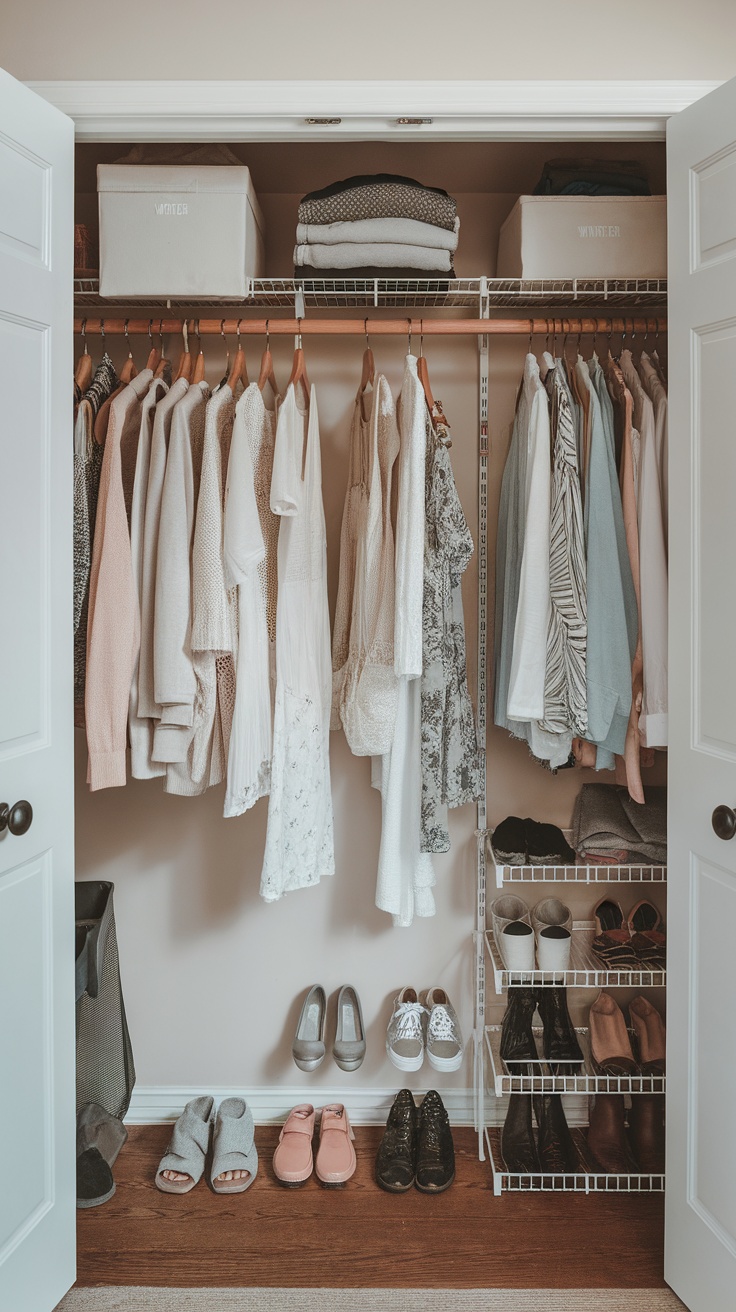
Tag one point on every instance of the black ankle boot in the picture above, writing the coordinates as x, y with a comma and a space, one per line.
560, 1042
517, 1040
557, 1151
518, 1149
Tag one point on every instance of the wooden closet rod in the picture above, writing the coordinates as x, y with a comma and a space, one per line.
376, 327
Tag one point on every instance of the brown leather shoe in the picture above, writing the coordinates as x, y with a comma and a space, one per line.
609, 1038
607, 1141
646, 1120
651, 1036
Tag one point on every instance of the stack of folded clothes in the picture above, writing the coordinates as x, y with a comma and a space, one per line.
608, 827
376, 226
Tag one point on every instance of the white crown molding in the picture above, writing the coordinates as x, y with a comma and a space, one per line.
369, 110
160, 1104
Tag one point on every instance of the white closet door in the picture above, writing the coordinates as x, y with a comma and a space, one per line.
37, 1120
700, 1261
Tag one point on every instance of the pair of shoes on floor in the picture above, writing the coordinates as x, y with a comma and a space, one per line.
634, 943
348, 1049
610, 1041
518, 842
552, 1151
516, 929
638, 1150
229, 1134
335, 1161
431, 1027
417, 1147
560, 1046
100, 1137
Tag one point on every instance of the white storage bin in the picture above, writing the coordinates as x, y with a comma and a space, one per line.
178, 230
584, 237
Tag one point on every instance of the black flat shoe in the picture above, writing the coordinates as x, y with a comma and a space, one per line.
517, 1041
435, 1149
556, 1147
518, 1149
397, 1155
559, 1042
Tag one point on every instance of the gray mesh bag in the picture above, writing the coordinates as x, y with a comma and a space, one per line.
105, 1070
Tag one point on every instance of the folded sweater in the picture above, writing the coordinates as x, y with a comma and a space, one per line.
384, 255
383, 196
410, 232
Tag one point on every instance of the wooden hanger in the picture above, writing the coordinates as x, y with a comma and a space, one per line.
198, 376
163, 364
267, 374
423, 371
299, 370
184, 367
369, 366
239, 372
154, 355
128, 370
83, 371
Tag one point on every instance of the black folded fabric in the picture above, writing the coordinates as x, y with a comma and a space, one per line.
509, 841
546, 845
593, 177
440, 281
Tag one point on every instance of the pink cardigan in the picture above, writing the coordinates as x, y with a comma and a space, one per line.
113, 623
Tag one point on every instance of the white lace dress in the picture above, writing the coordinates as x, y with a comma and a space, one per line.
368, 685
250, 548
299, 839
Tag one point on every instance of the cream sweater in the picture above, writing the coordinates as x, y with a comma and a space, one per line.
113, 624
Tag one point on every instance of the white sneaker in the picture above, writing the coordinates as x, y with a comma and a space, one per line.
444, 1037
405, 1033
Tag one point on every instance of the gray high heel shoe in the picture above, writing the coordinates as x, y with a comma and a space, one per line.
349, 1046
308, 1048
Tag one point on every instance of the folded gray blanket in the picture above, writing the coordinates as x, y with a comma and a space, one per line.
384, 255
409, 232
382, 200
605, 819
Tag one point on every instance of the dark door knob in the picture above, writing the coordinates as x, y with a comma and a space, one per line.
724, 822
17, 818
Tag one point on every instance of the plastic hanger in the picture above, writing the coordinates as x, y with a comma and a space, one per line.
128, 370
267, 374
83, 371
238, 373
198, 377
299, 369
184, 368
369, 366
154, 355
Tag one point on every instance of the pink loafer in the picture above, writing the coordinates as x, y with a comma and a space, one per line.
336, 1160
292, 1160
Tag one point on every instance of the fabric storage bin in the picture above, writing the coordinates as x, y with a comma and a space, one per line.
178, 230
584, 237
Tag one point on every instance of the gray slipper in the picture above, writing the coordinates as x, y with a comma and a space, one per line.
233, 1147
188, 1146
308, 1048
100, 1137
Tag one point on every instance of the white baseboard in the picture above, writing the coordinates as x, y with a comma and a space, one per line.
159, 1104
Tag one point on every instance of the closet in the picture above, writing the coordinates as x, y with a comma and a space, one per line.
203, 960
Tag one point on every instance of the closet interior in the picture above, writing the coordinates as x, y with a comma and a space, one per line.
214, 976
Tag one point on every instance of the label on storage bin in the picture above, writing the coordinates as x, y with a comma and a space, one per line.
171, 208
599, 230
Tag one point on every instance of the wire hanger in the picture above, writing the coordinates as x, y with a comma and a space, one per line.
369, 366
184, 368
83, 371
267, 374
128, 370
239, 372
299, 367
198, 376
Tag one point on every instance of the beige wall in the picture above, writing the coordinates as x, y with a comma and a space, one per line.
44, 39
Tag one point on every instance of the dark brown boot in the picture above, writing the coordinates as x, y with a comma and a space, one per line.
518, 1149
646, 1121
607, 1141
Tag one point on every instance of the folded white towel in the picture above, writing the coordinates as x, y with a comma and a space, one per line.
381, 255
410, 232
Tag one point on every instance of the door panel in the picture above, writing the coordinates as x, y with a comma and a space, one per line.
37, 1097
700, 1246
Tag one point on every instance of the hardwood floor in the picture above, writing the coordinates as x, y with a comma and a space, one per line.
361, 1236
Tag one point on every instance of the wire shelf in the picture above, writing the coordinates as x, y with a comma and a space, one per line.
586, 1181
541, 1080
577, 874
378, 293
585, 970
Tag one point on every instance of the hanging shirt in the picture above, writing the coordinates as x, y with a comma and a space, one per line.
353, 518
299, 837
657, 391
251, 534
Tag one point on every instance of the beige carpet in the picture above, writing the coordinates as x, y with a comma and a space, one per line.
124, 1299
